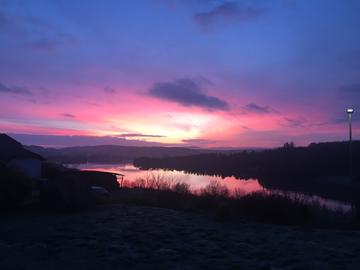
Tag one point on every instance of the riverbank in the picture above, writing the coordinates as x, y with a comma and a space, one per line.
135, 237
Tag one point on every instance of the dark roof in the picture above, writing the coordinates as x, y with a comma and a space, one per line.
11, 149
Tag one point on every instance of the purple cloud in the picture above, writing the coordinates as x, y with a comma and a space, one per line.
254, 108
227, 11
134, 135
50, 43
19, 90
187, 93
33, 32
197, 141
110, 90
68, 115
65, 141
294, 122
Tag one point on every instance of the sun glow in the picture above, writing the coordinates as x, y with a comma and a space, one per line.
170, 127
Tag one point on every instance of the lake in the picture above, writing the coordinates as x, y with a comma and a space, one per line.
196, 182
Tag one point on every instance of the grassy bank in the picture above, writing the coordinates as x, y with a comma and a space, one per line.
216, 200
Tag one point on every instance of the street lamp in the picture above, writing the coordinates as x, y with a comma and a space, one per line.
350, 113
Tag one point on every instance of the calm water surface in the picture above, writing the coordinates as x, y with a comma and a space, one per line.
197, 182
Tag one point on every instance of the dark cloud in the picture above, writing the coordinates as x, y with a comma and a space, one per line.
187, 93
197, 141
68, 115
19, 90
50, 43
254, 108
344, 118
110, 90
202, 80
294, 122
133, 135
33, 32
227, 12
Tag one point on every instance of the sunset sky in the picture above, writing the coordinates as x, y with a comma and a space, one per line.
204, 73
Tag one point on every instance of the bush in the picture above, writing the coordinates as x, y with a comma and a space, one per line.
15, 188
215, 189
275, 208
181, 188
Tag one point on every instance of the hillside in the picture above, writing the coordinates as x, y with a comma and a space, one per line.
114, 153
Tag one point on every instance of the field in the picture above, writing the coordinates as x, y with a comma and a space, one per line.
136, 237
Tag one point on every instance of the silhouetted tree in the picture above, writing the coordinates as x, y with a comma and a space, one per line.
289, 145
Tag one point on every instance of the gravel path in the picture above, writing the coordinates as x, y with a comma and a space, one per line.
132, 237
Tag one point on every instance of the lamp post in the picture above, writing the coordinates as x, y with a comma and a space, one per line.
350, 113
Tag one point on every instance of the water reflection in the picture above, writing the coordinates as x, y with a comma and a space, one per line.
197, 182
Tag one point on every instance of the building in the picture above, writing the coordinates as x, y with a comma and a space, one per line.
16, 156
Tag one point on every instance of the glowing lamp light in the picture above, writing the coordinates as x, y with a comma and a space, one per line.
350, 113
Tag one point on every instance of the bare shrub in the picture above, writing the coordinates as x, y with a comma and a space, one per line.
153, 181
139, 183
158, 182
126, 183
181, 188
215, 189
238, 193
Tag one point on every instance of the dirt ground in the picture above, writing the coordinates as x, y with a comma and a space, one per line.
133, 237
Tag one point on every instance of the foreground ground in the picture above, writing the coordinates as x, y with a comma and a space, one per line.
132, 237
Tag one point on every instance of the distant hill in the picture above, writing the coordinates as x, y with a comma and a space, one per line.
317, 159
114, 153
